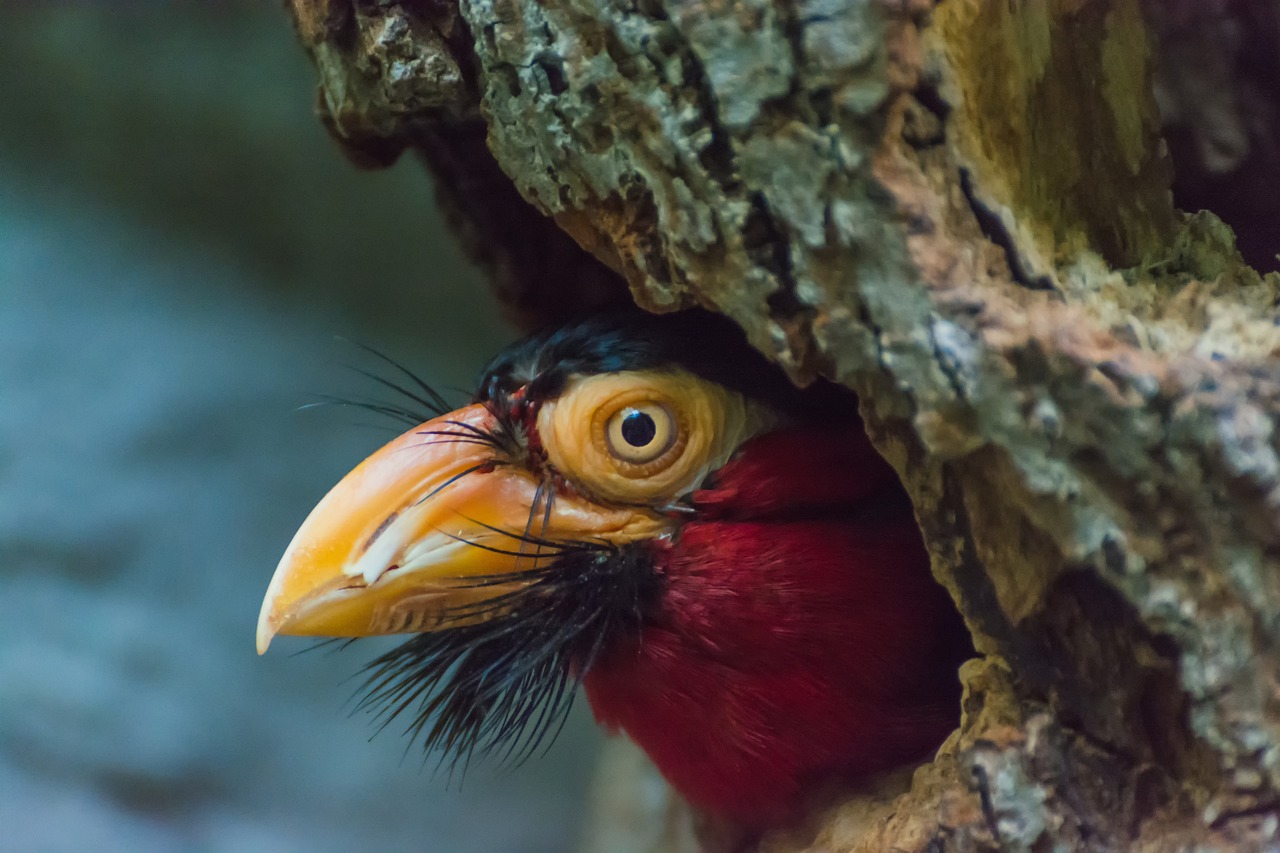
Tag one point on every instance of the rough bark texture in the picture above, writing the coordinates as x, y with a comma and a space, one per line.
961, 210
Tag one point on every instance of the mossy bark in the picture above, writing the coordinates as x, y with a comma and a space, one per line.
961, 210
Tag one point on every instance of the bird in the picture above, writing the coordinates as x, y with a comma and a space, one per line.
646, 509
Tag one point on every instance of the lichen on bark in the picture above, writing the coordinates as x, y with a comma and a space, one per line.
962, 211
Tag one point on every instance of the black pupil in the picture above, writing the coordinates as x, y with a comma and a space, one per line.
638, 429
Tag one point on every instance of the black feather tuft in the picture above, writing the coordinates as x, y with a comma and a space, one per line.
501, 687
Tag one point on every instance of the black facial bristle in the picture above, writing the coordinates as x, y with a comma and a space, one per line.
426, 396
414, 403
501, 683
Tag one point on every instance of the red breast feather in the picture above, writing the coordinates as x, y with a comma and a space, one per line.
800, 634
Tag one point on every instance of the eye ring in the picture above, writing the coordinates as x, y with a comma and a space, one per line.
640, 433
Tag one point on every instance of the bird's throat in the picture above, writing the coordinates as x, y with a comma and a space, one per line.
782, 653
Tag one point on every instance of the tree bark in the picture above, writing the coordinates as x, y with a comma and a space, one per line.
962, 210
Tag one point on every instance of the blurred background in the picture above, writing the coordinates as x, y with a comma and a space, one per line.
181, 247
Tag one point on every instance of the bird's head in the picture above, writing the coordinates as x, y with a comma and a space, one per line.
524, 538
574, 449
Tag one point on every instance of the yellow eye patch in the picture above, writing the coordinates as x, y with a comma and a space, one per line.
644, 437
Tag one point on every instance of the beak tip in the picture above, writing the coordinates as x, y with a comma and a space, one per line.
266, 630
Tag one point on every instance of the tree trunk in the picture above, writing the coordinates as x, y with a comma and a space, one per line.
963, 211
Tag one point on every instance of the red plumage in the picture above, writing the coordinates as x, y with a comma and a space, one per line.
800, 634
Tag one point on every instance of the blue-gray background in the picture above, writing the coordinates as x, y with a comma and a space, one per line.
179, 246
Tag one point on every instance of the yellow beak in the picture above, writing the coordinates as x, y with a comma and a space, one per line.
419, 530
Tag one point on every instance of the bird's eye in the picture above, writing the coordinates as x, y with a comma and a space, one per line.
641, 433
642, 437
